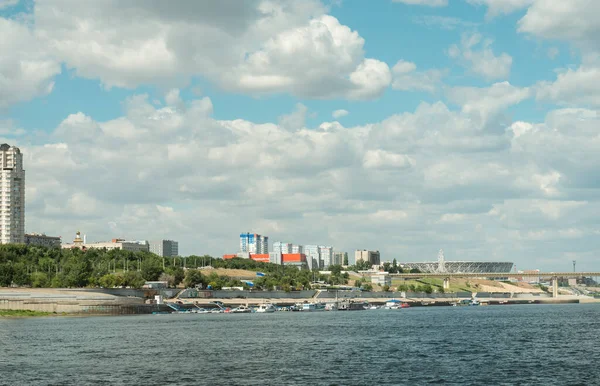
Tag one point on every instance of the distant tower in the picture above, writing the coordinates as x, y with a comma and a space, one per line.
441, 261
574, 263
12, 195
78, 241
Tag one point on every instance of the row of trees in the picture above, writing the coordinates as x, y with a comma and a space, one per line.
23, 265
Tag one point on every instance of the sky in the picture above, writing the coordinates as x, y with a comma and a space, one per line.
403, 126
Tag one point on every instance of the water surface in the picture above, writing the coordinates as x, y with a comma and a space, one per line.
529, 344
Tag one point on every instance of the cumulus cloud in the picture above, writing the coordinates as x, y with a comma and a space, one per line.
407, 78
501, 7
573, 87
28, 71
486, 103
8, 3
337, 114
483, 62
246, 46
573, 21
165, 171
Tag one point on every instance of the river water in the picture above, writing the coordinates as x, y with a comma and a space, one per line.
525, 345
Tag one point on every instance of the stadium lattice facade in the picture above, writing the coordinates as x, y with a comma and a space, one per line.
443, 266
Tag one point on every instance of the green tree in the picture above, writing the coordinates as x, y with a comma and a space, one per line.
6, 274
178, 274
193, 277
151, 267
133, 279
107, 281
387, 266
39, 280
386, 288
345, 259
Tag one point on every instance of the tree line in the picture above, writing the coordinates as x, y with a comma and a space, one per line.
41, 267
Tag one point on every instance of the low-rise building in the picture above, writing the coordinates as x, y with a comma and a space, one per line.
381, 278
42, 240
133, 246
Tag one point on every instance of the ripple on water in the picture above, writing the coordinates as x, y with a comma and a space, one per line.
439, 345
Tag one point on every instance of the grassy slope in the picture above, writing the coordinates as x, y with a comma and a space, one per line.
23, 313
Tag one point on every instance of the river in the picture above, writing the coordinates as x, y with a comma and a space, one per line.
513, 344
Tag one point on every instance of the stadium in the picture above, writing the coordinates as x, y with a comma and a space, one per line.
443, 266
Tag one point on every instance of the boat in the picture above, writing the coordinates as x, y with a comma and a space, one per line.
241, 310
371, 308
312, 307
474, 302
268, 307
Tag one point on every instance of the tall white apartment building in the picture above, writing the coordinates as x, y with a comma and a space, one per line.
164, 248
326, 256
297, 248
254, 243
282, 248
313, 256
12, 195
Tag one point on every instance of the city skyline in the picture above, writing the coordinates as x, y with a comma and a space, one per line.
312, 121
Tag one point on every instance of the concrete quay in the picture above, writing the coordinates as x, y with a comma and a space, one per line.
69, 301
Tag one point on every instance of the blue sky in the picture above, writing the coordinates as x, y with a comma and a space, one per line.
435, 124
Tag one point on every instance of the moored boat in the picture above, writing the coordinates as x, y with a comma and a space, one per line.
268, 307
312, 307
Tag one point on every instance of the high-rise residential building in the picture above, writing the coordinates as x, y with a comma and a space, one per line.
373, 257
326, 256
297, 248
339, 257
313, 256
12, 195
282, 248
254, 243
165, 248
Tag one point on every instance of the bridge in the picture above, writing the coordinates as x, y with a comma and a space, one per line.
447, 276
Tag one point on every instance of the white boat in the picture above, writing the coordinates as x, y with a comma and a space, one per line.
241, 310
312, 307
266, 308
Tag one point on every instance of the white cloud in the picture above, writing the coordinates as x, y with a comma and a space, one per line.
251, 47
408, 79
574, 21
337, 114
428, 3
8, 3
444, 22
485, 103
374, 159
481, 62
435, 174
28, 70
573, 87
499, 7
